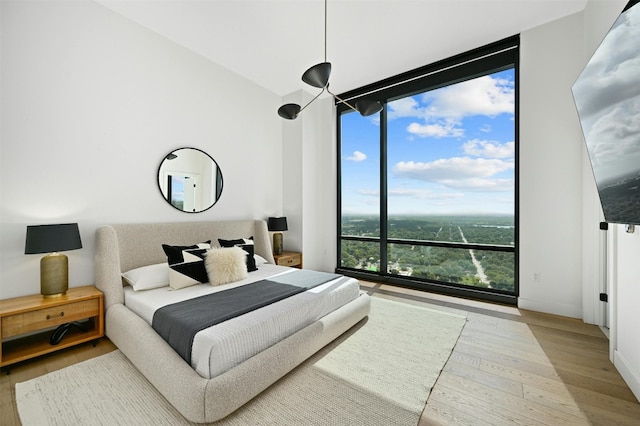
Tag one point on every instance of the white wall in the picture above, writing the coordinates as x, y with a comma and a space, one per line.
309, 182
319, 188
91, 104
551, 169
292, 186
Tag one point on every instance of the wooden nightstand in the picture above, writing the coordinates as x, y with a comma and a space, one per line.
289, 258
29, 320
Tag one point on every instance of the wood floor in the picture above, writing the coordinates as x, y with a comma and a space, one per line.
509, 366
518, 367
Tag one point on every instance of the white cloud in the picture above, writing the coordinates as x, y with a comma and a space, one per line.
484, 95
441, 111
357, 157
435, 130
480, 184
422, 194
405, 107
480, 96
489, 149
451, 168
460, 173
369, 192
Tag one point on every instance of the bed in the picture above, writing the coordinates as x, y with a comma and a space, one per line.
215, 384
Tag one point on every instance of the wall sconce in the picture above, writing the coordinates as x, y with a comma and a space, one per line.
277, 224
54, 267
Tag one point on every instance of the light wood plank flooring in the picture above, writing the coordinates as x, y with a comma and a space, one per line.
518, 367
509, 366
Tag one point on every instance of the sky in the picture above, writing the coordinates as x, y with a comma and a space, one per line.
607, 95
177, 189
450, 151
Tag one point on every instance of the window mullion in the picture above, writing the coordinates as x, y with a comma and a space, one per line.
383, 191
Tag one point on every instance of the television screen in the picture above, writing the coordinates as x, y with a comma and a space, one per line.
607, 97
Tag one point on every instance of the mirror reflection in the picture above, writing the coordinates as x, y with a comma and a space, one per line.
190, 180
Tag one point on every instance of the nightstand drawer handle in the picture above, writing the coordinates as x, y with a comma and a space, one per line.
61, 314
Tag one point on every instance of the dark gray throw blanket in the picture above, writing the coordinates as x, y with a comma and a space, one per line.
179, 322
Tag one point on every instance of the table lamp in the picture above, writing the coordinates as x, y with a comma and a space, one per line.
54, 267
277, 224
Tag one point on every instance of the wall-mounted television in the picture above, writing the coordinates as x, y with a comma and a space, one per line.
607, 97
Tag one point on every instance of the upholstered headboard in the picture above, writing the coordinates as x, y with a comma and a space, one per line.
122, 247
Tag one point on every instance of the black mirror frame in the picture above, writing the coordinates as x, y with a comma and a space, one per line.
218, 183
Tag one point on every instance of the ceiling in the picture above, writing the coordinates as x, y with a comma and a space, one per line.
272, 42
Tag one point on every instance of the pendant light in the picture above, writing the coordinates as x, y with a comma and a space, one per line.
318, 76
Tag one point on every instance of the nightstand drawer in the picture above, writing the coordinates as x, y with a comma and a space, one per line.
293, 259
14, 325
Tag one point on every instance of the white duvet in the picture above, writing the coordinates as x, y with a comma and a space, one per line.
221, 347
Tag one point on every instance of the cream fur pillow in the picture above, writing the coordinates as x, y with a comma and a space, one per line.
225, 265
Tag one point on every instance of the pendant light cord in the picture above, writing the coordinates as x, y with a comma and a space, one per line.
325, 30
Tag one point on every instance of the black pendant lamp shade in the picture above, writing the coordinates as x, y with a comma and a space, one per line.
318, 76
368, 107
289, 111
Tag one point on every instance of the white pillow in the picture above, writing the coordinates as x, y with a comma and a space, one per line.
148, 277
259, 259
225, 265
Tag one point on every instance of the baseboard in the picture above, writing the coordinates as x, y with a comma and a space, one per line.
571, 311
630, 377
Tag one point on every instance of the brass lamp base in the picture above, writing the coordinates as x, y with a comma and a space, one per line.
277, 243
54, 275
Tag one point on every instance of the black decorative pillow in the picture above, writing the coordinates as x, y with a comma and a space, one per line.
247, 245
186, 264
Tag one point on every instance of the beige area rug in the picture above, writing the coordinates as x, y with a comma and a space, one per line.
379, 373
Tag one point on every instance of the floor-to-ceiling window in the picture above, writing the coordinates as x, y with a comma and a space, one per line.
428, 187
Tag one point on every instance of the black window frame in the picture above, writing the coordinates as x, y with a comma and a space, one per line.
492, 58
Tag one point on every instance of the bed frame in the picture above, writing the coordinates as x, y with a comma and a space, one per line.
122, 247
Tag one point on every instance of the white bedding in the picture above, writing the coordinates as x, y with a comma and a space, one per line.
223, 346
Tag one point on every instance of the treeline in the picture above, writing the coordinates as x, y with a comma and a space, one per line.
435, 263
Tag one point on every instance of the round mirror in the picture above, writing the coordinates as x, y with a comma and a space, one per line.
190, 180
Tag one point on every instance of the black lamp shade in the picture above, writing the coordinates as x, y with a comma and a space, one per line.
52, 238
318, 75
368, 107
277, 224
289, 111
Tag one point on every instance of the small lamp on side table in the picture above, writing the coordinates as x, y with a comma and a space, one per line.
54, 267
277, 224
